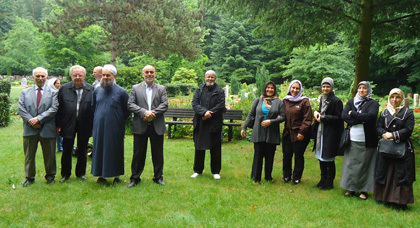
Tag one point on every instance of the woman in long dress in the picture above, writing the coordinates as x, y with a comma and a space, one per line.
394, 177
359, 158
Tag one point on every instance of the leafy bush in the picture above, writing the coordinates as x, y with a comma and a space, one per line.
184, 75
4, 109
406, 89
235, 85
129, 76
5, 86
180, 89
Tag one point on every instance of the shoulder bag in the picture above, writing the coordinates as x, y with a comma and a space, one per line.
389, 148
344, 140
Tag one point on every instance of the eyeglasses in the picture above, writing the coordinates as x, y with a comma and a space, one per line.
77, 75
149, 72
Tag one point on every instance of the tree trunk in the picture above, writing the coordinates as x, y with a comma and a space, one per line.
363, 49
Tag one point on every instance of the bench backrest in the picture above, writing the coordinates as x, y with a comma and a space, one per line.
189, 113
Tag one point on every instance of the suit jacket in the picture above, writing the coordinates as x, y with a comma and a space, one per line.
46, 112
270, 134
137, 104
67, 108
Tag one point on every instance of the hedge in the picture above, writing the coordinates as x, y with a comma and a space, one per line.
180, 89
4, 109
5, 86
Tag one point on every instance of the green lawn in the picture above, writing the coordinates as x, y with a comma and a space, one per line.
202, 202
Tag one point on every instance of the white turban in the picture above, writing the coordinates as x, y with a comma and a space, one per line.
110, 68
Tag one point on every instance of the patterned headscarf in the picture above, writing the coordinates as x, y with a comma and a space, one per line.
298, 97
394, 110
358, 100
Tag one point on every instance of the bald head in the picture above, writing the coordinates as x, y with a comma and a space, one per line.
97, 73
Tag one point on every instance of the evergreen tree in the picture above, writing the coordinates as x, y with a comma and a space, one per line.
262, 76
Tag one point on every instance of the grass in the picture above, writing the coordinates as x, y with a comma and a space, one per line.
232, 201
202, 202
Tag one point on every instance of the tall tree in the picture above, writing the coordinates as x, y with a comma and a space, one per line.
22, 49
305, 22
154, 27
79, 47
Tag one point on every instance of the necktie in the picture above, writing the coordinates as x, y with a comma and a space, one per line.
38, 98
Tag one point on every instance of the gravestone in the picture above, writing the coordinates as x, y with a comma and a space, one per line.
416, 99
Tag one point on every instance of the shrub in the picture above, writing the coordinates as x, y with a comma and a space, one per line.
235, 85
180, 89
5, 86
4, 109
184, 76
129, 76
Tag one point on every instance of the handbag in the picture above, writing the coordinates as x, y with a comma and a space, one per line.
390, 148
345, 139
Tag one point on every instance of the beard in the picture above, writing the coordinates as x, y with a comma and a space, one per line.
107, 85
210, 84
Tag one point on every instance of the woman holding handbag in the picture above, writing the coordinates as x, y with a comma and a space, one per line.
359, 158
267, 112
394, 177
329, 127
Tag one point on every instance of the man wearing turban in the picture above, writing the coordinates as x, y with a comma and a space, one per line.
110, 104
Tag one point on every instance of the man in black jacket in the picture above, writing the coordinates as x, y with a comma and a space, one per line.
75, 115
208, 104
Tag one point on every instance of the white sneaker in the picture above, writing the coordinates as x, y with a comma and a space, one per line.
216, 176
195, 175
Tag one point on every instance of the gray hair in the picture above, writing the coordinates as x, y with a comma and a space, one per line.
39, 69
210, 72
110, 68
77, 67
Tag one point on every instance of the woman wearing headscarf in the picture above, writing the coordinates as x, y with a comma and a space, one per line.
267, 112
394, 177
329, 127
359, 158
296, 131
55, 84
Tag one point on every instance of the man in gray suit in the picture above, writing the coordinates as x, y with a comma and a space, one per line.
37, 107
148, 101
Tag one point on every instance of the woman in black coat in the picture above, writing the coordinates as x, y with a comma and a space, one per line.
394, 177
266, 114
359, 158
329, 127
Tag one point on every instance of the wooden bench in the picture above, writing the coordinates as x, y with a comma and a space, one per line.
187, 115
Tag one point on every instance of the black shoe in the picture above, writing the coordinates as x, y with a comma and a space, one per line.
133, 183
50, 181
295, 181
28, 182
326, 187
83, 178
64, 179
160, 181
285, 179
101, 180
117, 181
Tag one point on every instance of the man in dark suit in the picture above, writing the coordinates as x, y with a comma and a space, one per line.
148, 101
75, 115
37, 107
208, 104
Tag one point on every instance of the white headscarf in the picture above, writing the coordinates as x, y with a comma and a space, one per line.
394, 110
298, 97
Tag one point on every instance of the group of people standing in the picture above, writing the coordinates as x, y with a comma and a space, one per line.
100, 110
78, 110
364, 170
